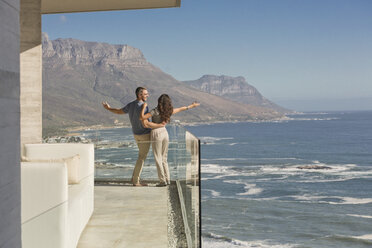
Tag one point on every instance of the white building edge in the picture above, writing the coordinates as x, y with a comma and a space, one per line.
21, 90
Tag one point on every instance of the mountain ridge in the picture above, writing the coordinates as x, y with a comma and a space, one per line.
79, 75
235, 89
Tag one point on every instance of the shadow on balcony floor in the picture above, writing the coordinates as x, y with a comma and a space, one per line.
126, 216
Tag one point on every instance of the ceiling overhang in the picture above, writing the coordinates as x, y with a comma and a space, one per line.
69, 6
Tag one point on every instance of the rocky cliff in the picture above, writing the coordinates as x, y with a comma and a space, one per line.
235, 89
79, 75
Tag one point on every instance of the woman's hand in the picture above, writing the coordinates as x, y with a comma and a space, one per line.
144, 105
194, 104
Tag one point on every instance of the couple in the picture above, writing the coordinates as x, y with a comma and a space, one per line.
145, 131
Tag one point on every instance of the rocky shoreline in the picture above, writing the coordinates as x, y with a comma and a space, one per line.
78, 129
176, 229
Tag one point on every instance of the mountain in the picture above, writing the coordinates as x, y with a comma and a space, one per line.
79, 75
235, 89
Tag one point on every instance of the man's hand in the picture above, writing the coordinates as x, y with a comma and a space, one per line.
106, 105
113, 110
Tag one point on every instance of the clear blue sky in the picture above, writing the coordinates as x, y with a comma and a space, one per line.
287, 49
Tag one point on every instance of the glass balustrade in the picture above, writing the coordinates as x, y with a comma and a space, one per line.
116, 154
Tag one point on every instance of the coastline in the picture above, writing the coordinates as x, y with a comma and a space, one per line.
76, 130
72, 130
287, 117
95, 127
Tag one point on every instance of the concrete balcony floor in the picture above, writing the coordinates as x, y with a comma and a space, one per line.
127, 216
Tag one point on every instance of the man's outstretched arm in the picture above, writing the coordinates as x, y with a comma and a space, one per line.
113, 110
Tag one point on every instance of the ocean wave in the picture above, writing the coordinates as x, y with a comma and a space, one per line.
224, 159
102, 148
308, 198
206, 178
280, 158
211, 240
207, 140
108, 155
213, 192
352, 200
218, 169
332, 199
100, 160
360, 216
250, 188
314, 166
363, 239
317, 180
313, 172
346, 171
247, 159
306, 172
124, 165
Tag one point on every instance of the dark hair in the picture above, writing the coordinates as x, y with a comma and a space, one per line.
165, 107
139, 90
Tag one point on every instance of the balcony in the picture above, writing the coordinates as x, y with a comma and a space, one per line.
127, 216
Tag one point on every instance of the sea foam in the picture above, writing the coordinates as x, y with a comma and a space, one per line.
220, 170
360, 216
250, 188
213, 192
211, 240
338, 200
207, 140
365, 237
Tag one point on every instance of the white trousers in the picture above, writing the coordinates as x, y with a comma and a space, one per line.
160, 141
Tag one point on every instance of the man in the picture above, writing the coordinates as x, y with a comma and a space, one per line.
140, 133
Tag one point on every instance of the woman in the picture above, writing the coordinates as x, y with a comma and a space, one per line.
159, 136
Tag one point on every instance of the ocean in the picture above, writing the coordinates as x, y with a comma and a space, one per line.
305, 182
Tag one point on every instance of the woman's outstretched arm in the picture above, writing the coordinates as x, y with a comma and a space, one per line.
193, 105
144, 116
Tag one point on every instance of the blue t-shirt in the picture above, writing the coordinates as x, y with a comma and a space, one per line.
133, 109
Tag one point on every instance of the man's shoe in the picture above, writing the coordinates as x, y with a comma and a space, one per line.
161, 184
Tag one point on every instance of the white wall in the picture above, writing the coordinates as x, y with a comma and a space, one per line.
31, 72
10, 194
